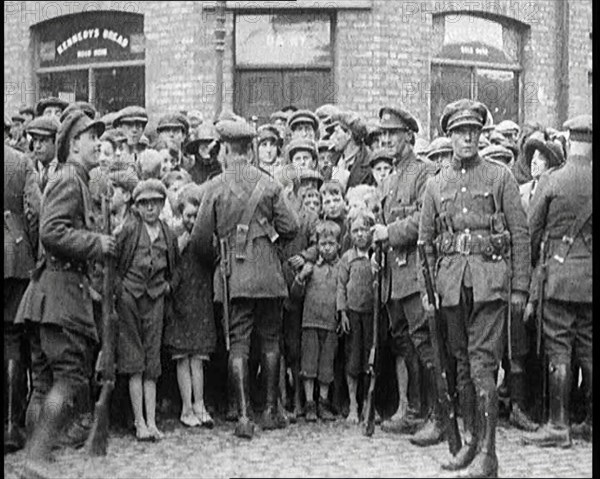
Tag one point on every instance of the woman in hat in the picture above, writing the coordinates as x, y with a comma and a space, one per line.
269, 148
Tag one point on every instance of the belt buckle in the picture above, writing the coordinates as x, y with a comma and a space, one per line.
567, 239
464, 243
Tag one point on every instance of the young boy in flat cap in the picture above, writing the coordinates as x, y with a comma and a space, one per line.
132, 121
147, 255
42, 131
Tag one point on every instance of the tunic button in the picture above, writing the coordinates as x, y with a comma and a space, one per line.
465, 210
467, 230
463, 171
463, 189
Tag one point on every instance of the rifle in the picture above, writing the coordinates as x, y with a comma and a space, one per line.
369, 413
105, 365
445, 385
224, 269
540, 321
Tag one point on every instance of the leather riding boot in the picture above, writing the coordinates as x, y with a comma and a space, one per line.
238, 368
271, 417
556, 432
471, 420
232, 410
431, 432
14, 438
485, 462
55, 413
583, 430
518, 417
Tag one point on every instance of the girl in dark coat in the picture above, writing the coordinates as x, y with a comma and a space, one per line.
190, 333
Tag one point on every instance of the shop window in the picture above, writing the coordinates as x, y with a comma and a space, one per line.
282, 59
92, 56
475, 58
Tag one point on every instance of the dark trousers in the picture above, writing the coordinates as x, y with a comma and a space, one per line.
260, 314
475, 338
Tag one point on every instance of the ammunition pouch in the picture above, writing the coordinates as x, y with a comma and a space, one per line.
491, 247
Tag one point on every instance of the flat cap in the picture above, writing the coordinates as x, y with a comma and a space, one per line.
421, 147
324, 145
74, 124
326, 111
552, 150
175, 120
109, 118
114, 136
381, 154
303, 116
235, 130
84, 106
580, 128
50, 101
506, 126
440, 145
271, 132
27, 110
18, 117
497, 152
289, 109
149, 189
463, 112
308, 174
43, 125
130, 114
349, 121
397, 119
302, 144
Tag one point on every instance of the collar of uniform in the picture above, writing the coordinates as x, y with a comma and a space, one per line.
81, 171
465, 164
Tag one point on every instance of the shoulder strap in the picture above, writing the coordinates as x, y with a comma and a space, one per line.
567, 241
257, 192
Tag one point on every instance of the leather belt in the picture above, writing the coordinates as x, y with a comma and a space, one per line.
55, 264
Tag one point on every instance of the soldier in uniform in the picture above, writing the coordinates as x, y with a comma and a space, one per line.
561, 216
20, 240
132, 121
475, 230
246, 210
51, 106
402, 192
59, 306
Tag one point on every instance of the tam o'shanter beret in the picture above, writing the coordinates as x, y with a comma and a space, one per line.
73, 125
43, 125
130, 114
463, 112
580, 128
397, 119
149, 189
51, 101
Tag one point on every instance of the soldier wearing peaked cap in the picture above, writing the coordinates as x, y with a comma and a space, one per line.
65, 321
20, 245
475, 231
132, 121
247, 212
51, 106
402, 191
561, 216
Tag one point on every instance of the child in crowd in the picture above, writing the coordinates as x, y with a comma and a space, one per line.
111, 147
190, 332
355, 303
174, 181
381, 162
123, 184
311, 201
146, 258
170, 154
317, 284
149, 164
362, 197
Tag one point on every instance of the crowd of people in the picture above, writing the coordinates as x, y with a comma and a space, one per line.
245, 262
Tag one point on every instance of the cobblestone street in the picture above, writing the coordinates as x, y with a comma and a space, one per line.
319, 450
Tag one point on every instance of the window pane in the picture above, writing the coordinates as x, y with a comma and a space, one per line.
72, 86
284, 39
498, 90
475, 39
448, 84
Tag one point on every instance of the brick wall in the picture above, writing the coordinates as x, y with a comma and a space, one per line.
381, 56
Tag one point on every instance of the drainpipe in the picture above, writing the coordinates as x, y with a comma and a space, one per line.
563, 61
220, 49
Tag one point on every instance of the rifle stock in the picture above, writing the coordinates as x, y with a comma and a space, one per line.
445, 384
370, 406
105, 366
224, 269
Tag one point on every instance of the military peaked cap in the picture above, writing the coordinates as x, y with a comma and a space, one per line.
580, 128
43, 125
51, 101
76, 123
397, 119
149, 189
130, 114
463, 112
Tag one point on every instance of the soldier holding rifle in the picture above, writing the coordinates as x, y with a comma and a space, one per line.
473, 215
